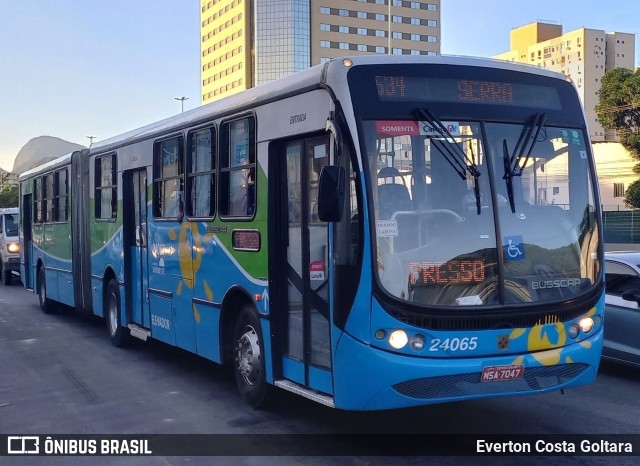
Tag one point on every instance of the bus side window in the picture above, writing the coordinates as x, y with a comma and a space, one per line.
168, 171
201, 173
237, 197
106, 188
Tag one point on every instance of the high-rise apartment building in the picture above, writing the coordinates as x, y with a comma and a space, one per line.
249, 42
584, 55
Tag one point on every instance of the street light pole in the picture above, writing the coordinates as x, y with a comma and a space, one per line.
181, 99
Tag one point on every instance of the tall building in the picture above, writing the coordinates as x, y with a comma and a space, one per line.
584, 55
249, 42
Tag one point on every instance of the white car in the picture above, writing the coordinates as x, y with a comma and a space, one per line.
9, 246
622, 307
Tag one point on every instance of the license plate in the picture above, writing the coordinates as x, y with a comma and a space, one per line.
500, 373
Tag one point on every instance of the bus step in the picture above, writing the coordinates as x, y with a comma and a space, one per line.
139, 332
306, 392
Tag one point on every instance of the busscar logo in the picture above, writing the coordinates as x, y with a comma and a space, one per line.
23, 445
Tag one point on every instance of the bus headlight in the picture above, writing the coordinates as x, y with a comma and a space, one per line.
586, 324
574, 331
13, 248
398, 339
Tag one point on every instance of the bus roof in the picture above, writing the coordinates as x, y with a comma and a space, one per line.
52, 164
307, 79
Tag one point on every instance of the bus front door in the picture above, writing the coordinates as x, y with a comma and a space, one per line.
302, 268
135, 247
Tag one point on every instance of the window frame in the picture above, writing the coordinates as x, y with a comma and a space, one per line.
38, 217
58, 196
159, 179
190, 176
99, 187
225, 168
48, 197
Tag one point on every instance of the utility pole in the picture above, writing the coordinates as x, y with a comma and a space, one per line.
181, 99
90, 138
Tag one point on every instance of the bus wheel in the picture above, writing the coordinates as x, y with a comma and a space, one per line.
249, 358
46, 304
118, 334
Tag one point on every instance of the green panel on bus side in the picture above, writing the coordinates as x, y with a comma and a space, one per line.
103, 231
253, 263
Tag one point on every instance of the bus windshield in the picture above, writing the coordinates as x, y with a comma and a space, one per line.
481, 184
472, 213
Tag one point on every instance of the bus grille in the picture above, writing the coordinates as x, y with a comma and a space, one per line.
534, 379
487, 322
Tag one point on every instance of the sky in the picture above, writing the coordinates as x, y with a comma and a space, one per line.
79, 68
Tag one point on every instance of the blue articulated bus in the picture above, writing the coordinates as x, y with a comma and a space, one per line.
371, 233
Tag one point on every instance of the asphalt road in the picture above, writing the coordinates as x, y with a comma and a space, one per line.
60, 375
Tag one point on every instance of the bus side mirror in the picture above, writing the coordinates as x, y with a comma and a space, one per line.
331, 193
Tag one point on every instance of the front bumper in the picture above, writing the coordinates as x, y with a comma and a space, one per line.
396, 381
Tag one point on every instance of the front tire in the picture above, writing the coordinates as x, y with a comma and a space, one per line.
118, 334
248, 365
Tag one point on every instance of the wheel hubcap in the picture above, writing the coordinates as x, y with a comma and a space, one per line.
248, 355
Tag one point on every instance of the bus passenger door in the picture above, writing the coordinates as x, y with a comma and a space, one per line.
301, 269
135, 247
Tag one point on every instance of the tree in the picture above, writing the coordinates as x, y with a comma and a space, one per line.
619, 110
9, 196
619, 106
632, 196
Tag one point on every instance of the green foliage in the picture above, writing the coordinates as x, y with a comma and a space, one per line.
631, 142
9, 196
632, 196
619, 107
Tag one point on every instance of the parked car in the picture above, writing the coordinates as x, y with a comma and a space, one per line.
622, 307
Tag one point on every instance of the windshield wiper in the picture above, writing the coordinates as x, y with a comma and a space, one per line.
452, 152
526, 143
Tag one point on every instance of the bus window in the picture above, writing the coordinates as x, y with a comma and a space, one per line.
201, 173
48, 198
60, 208
106, 190
237, 168
37, 200
168, 178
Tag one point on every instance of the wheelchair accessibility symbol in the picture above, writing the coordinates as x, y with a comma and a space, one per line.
513, 248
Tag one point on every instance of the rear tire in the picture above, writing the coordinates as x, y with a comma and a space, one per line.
118, 334
248, 364
46, 305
